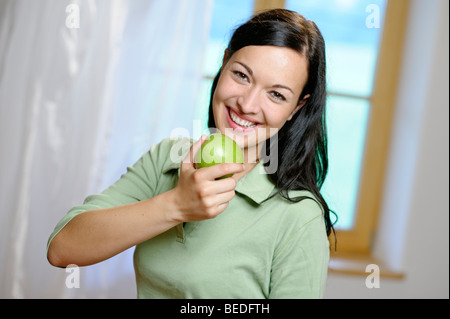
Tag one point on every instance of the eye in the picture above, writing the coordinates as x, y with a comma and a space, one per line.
240, 76
277, 96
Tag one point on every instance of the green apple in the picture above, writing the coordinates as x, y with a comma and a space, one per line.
217, 149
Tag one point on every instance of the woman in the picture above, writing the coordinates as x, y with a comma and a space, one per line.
252, 235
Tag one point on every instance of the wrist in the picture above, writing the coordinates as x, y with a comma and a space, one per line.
170, 202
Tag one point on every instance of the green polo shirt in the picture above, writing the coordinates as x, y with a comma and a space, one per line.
253, 249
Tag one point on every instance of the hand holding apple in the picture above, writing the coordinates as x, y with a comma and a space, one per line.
204, 193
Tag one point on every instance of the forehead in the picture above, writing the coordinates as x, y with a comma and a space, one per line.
274, 64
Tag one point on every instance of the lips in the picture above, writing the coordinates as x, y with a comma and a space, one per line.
240, 122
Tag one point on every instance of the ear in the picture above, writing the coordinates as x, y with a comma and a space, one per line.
299, 106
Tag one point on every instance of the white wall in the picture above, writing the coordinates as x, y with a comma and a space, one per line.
413, 234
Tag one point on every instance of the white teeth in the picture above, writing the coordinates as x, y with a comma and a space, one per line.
240, 121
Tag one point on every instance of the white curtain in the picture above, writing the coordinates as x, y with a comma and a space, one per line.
81, 99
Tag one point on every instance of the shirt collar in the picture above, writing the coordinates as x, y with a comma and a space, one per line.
256, 184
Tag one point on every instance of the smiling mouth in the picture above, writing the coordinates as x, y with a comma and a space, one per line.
239, 121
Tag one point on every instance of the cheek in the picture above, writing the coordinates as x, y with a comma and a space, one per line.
225, 89
276, 118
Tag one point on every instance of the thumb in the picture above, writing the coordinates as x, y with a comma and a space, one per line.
189, 160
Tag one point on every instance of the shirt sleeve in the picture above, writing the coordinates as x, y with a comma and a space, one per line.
138, 183
300, 264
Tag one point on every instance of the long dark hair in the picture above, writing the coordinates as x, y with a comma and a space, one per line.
302, 141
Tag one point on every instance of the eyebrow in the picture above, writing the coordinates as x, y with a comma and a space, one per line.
250, 71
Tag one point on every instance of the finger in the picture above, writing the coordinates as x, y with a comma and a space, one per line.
212, 188
220, 170
223, 185
222, 207
189, 159
225, 200
225, 197
218, 202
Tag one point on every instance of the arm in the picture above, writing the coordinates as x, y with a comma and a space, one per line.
109, 228
97, 235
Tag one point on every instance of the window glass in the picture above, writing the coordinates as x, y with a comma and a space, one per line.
227, 16
346, 123
352, 30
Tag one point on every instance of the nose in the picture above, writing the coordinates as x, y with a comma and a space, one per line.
248, 102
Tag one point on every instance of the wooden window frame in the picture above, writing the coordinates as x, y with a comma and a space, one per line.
262, 5
359, 239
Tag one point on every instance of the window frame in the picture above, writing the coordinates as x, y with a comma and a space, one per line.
359, 239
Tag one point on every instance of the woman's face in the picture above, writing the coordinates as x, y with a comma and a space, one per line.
258, 91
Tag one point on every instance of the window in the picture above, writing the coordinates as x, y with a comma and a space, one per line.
358, 238
363, 51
